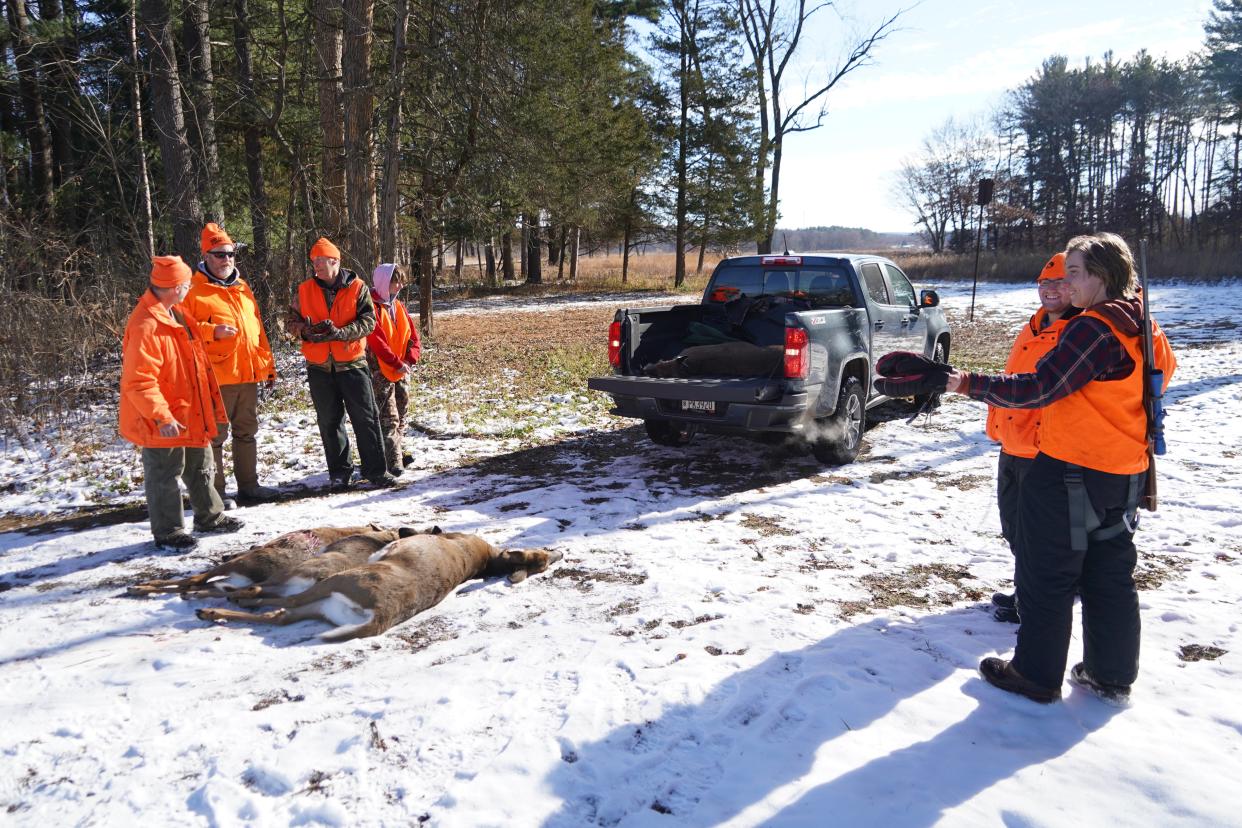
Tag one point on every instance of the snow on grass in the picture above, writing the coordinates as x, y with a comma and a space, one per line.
736, 635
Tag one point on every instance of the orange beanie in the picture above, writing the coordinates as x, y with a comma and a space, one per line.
213, 236
323, 247
1055, 269
169, 271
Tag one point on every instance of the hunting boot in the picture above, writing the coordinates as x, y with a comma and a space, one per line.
245, 469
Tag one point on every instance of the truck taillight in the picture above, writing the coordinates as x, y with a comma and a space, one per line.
797, 354
778, 261
614, 344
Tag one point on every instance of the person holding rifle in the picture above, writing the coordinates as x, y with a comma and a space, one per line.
1079, 501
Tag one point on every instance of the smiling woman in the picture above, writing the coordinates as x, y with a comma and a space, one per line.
1079, 499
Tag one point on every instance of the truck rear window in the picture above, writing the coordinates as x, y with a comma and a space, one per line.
823, 287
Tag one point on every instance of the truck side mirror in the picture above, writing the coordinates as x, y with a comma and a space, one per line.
928, 299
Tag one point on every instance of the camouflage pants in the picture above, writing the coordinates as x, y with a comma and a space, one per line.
392, 399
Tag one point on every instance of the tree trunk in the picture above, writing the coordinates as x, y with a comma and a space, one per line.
489, 250
327, 16
427, 210
61, 57
560, 253
506, 255
252, 136
534, 273
201, 114
184, 207
359, 106
458, 254
683, 123
38, 138
391, 193
575, 240
139, 143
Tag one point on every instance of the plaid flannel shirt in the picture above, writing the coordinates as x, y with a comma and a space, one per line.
1087, 350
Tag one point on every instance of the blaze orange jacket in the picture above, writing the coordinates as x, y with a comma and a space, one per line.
1016, 428
165, 375
314, 307
1102, 425
246, 357
395, 341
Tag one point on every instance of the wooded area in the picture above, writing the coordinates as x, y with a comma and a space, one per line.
1144, 147
526, 132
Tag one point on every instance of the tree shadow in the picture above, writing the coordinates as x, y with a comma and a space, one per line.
762, 728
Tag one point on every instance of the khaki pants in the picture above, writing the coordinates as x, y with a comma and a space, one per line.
161, 467
241, 403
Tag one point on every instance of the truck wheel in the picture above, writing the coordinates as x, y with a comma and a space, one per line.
932, 401
667, 434
839, 437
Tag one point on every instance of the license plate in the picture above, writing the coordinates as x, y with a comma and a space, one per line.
706, 406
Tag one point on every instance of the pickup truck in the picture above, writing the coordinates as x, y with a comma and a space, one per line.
779, 345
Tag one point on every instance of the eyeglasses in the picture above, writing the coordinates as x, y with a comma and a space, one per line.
1052, 284
224, 254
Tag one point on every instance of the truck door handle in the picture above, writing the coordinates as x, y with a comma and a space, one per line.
905, 322
879, 323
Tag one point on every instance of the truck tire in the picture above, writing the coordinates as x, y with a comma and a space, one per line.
666, 433
839, 437
932, 401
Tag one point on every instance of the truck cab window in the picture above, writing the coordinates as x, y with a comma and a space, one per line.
903, 291
874, 280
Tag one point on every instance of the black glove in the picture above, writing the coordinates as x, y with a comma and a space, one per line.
907, 374
322, 331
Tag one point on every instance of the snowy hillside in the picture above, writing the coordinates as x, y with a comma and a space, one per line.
736, 635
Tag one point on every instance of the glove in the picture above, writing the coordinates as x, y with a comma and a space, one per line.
322, 331
907, 374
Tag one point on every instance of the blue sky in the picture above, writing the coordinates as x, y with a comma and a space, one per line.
948, 59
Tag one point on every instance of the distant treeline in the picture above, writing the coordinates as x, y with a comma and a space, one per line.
1143, 147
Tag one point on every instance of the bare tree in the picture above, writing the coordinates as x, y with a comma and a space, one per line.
773, 36
391, 192
252, 136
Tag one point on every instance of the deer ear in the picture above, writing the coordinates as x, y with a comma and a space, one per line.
435, 530
407, 531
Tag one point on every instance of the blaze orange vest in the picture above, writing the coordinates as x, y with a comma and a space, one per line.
1102, 425
397, 329
1016, 428
344, 310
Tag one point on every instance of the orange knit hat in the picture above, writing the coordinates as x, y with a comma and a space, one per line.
323, 247
1055, 269
169, 271
213, 236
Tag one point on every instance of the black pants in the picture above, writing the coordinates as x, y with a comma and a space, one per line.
334, 393
1010, 469
1049, 571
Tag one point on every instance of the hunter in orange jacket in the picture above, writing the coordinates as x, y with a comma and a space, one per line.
1081, 494
1017, 429
170, 407
231, 329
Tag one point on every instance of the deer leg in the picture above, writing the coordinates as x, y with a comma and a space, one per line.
279, 617
174, 585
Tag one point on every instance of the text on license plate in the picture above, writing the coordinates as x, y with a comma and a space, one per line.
706, 406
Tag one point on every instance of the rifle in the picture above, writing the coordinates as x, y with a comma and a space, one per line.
1153, 390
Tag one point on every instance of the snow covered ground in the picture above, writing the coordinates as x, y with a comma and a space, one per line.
735, 636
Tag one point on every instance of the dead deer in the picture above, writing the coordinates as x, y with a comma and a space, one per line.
401, 580
257, 564
338, 556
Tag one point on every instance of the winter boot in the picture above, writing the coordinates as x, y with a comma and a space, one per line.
1117, 695
1000, 673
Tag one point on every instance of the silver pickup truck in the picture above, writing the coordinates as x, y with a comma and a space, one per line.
778, 344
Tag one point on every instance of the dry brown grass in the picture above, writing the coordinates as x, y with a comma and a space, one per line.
600, 273
1196, 265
